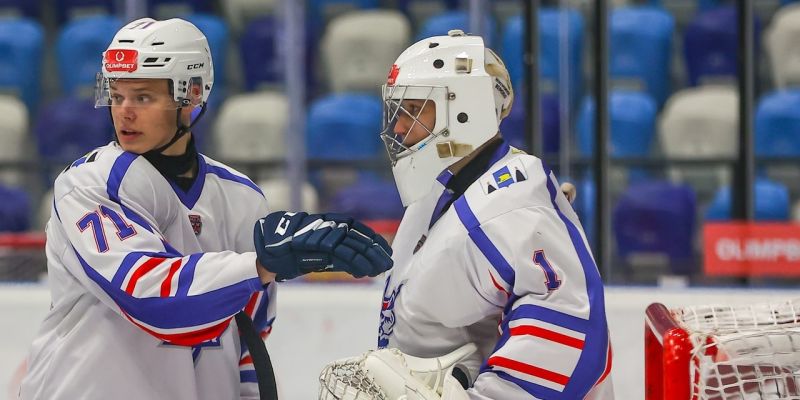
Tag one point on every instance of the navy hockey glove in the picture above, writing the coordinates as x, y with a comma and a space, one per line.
293, 244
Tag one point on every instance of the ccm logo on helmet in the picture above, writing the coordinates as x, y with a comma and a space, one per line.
120, 60
195, 66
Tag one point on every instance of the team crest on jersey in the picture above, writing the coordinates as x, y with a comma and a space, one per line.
197, 223
504, 176
387, 314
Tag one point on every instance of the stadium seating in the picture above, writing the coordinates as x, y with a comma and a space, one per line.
278, 194
359, 48
586, 208
80, 46
262, 53
20, 8
656, 217
321, 12
777, 124
239, 13
13, 136
700, 123
421, 10
632, 120
252, 127
641, 50
68, 128
67, 10
15, 209
21, 45
440, 24
344, 126
771, 203
513, 126
165, 9
550, 63
368, 199
216, 32
710, 46
781, 40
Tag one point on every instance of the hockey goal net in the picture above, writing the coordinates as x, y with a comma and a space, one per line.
723, 352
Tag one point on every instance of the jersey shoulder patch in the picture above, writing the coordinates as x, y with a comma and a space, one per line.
504, 175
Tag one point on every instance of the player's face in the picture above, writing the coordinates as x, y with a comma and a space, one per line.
144, 113
411, 131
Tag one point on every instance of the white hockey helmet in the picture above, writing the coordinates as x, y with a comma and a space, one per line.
472, 91
172, 49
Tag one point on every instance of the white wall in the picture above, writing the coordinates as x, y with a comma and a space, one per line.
320, 323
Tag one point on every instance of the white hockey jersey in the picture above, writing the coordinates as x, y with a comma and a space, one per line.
507, 267
145, 278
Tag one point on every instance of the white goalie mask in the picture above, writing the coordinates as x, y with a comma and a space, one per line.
470, 88
173, 49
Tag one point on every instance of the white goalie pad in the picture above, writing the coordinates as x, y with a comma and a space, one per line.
390, 374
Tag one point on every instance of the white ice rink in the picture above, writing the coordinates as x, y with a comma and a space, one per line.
318, 323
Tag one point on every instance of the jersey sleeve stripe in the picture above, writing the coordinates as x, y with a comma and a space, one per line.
186, 276
539, 391
248, 359
597, 330
179, 311
550, 316
547, 335
190, 338
248, 376
146, 267
483, 242
166, 285
528, 369
228, 175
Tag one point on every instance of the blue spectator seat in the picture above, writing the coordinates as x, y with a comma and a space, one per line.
633, 124
710, 45
344, 127
368, 199
68, 128
439, 24
550, 63
15, 209
166, 9
216, 32
513, 126
67, 10
262, 46
777, 124
322, 11
771, 202
656, 217
641, 49
79, 49
21, 45
20, 8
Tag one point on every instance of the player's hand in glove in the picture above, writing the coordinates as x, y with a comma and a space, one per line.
292, 244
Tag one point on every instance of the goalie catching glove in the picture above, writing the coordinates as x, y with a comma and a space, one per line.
390, 374
292, 244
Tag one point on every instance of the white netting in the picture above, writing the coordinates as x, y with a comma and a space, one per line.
348, 380
744, 352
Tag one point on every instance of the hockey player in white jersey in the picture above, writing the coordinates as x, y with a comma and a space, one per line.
489, 251
152, 247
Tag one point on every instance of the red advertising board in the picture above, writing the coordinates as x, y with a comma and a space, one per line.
751, 249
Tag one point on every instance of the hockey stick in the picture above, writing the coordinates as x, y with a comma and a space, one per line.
267, 389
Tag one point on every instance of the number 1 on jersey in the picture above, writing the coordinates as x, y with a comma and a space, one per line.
93, 220
551, 278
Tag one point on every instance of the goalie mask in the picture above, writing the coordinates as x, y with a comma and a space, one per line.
469, 87
174, 50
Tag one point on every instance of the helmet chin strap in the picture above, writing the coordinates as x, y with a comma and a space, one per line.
182, 129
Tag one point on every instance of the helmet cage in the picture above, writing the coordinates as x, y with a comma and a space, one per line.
393, 109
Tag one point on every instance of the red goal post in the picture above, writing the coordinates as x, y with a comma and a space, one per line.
723, 352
